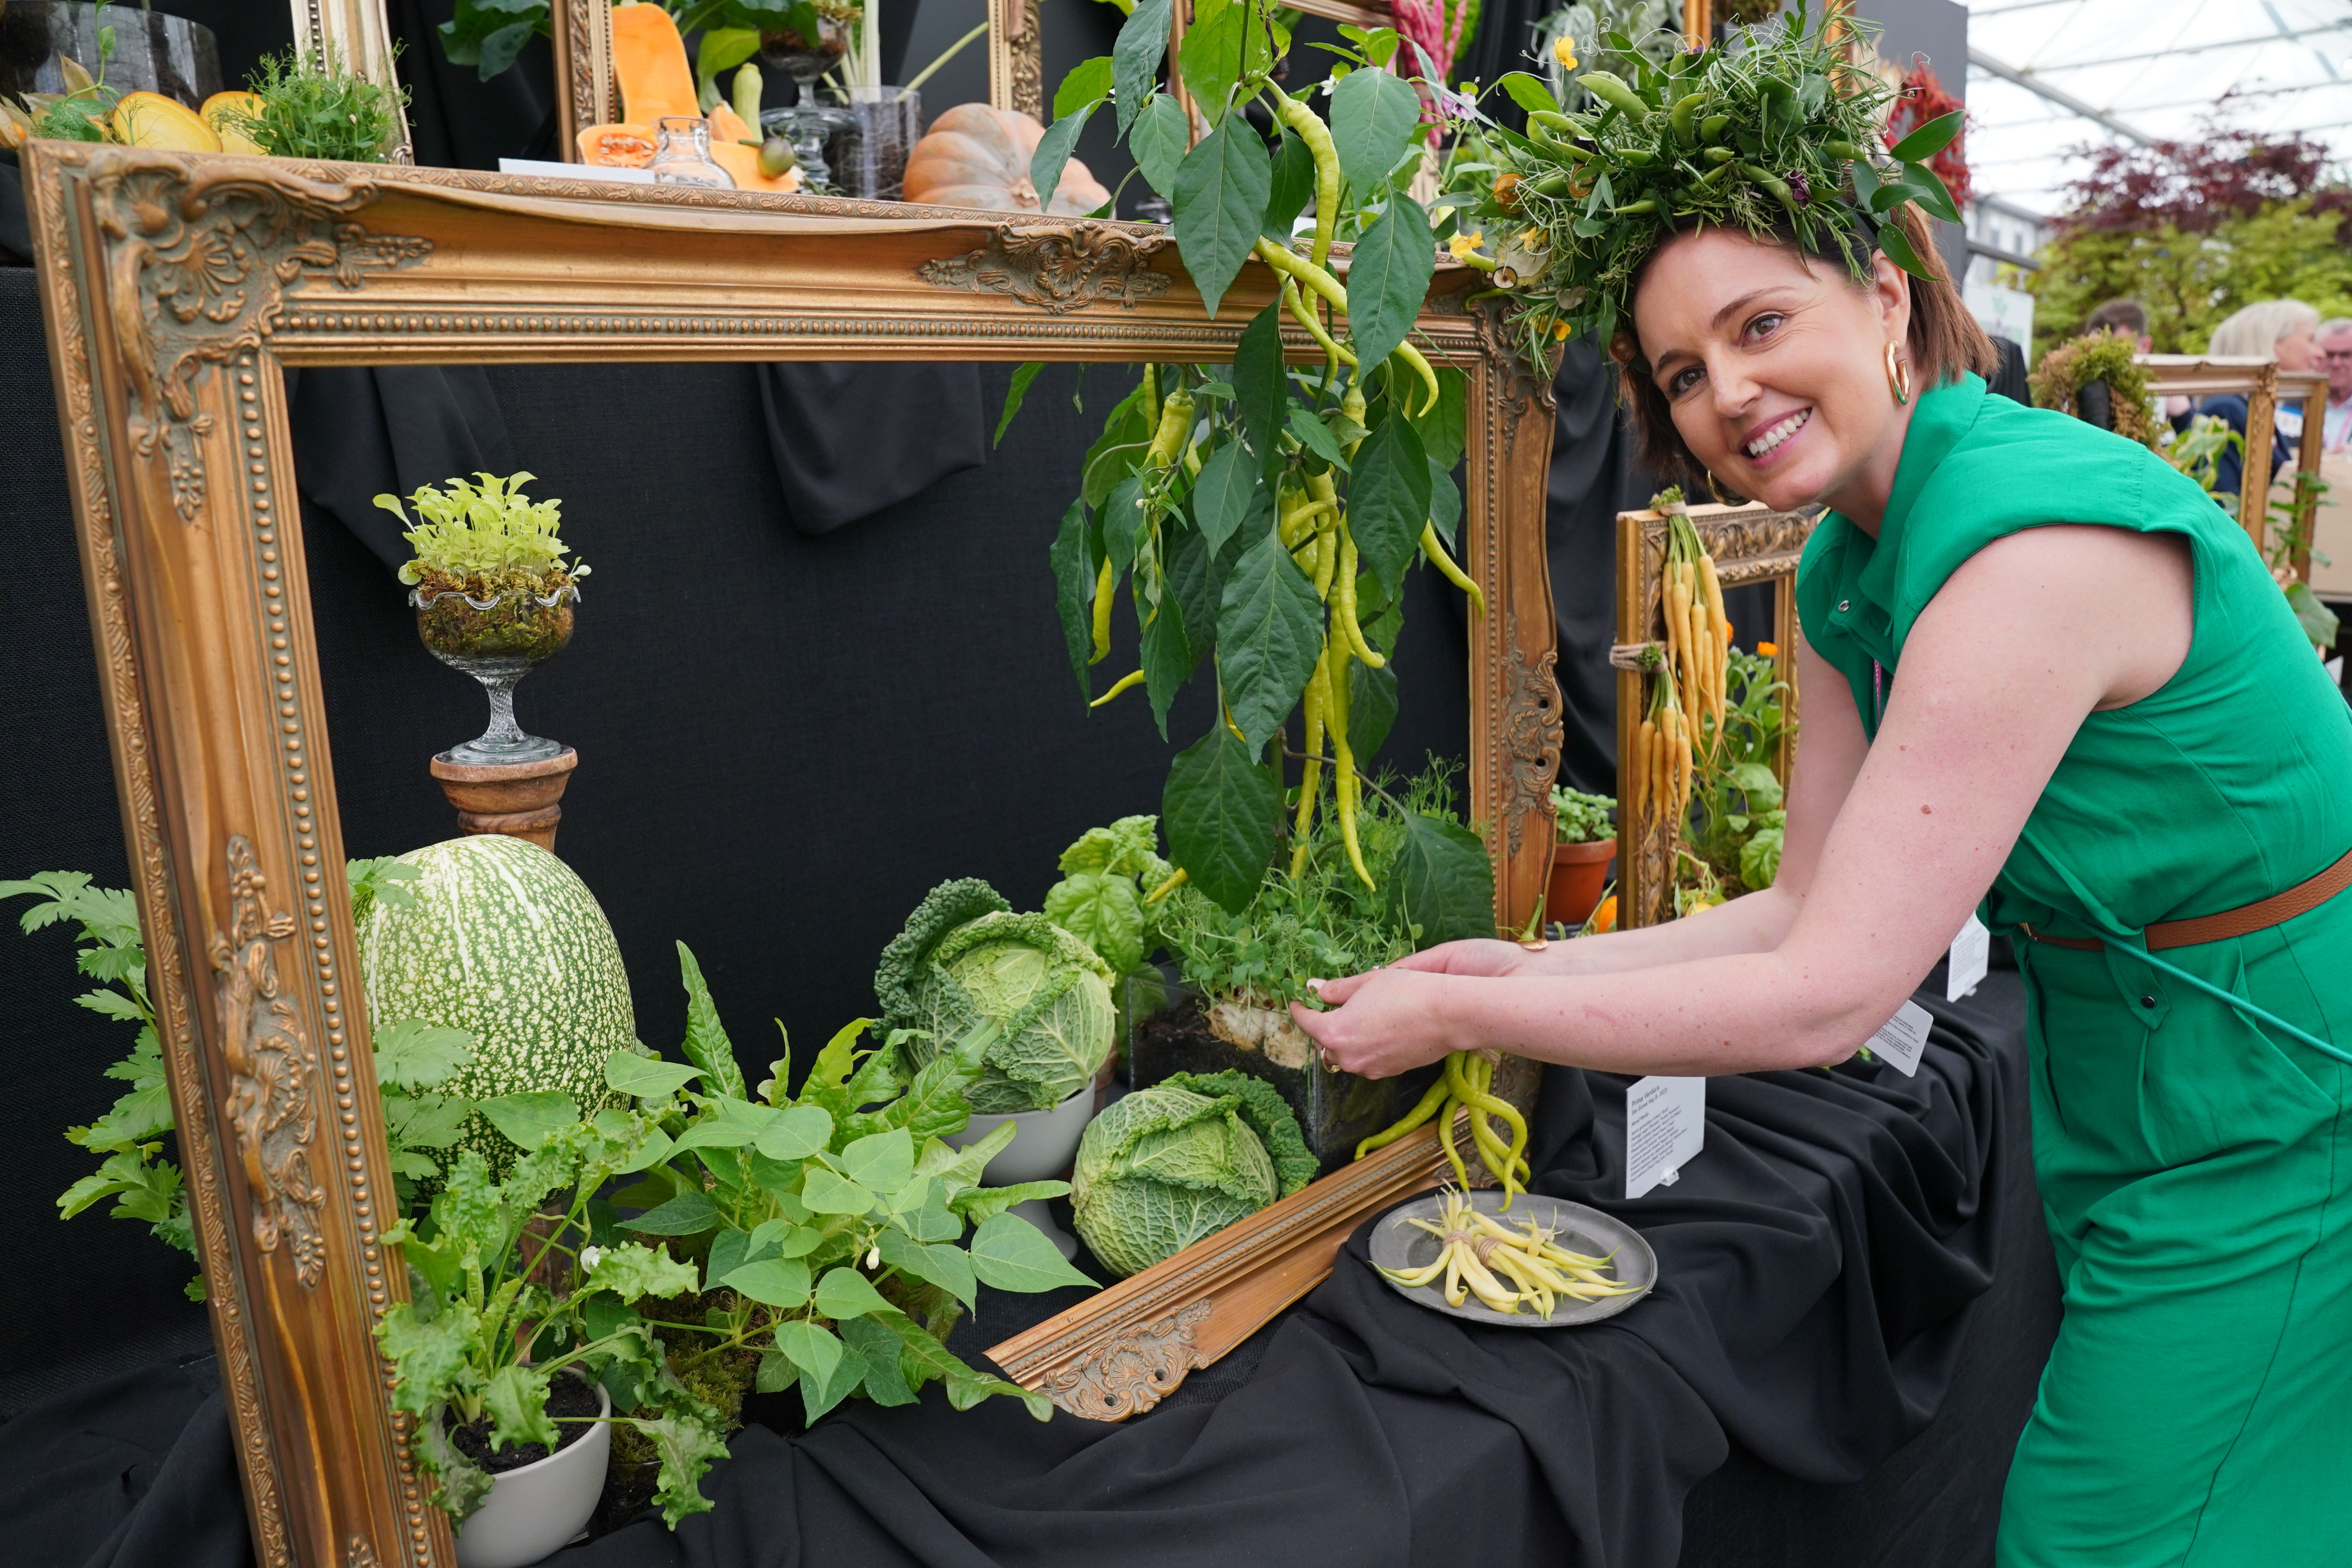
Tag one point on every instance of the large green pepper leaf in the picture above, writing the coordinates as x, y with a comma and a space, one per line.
1220, 199
1373, 116
1269, 635
1388, 276
1388, 498
1222, 810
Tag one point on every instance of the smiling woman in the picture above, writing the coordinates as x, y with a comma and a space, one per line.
2107, 731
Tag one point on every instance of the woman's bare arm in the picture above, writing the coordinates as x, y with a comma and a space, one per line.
1997, 675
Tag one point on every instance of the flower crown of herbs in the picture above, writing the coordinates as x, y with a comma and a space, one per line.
1782, 136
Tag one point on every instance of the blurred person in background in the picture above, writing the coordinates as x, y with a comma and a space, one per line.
2121, 318
2281, 330
2334, 344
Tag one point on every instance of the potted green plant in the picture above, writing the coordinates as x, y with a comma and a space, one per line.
521, 1338
1314, 916
831, 1224
494, 596
1584, 844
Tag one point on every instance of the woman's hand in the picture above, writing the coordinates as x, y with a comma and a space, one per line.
1386, 1021
1474, 957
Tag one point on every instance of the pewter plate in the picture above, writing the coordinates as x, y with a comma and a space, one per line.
1398, 1244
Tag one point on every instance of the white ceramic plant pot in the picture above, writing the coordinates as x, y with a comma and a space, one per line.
531, 1512
1040, 1152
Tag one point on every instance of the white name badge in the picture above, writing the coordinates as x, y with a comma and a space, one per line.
1665, 1124
1971, 958
1903, 1039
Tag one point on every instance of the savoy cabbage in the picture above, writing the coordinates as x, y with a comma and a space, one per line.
1167, 1165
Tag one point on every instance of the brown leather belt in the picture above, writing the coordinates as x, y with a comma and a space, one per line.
2276, 909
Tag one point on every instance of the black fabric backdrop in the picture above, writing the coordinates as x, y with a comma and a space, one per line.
1814, 1263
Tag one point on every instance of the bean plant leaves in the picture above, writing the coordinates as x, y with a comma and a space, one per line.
1160, 138
845, 1293
529, 1119
1293, 188
1166, 657
1022, 376
1444, 502
1010, 1253
1442, 882
883, 1162
1088, 84
1225, 493
1529, 92
646, 1077
1388, 500
1269, 635
810, 1347
1372, 709
1260, 387
1135, 60
1054, 149
1373, 115
1073, 587
943, 1265
795, 1132
825, 1192
689, 1214
1388, 276
1222, 808
878, 1348
1220, 197
1224, 42
779, 1282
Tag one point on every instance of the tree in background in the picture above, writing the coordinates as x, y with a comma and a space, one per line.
2194, 229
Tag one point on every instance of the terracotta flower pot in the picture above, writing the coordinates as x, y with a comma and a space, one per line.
1578, 872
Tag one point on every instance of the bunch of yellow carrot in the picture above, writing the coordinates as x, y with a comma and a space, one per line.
1687, 703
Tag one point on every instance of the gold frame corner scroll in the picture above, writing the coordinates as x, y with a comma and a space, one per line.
1750, 543
176, 289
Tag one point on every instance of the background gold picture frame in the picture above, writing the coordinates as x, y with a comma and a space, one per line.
1750, 543
175, 289
585, 94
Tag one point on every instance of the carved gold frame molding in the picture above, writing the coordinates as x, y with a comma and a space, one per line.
1750, 543
176, 289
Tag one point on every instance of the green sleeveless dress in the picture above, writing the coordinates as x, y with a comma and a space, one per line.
2195, 1166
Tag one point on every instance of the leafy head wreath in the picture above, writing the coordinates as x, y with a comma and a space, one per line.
1780, 137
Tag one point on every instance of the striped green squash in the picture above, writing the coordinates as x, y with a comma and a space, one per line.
505, 942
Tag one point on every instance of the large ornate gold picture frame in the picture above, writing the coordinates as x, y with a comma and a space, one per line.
2265, 386
176, 289
1750, 543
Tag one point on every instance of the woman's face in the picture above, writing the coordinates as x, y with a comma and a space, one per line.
2294, 351
1775, 366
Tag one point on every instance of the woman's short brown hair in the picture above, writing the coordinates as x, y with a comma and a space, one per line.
1945, 340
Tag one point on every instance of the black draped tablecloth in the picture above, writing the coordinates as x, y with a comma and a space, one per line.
1819, 1267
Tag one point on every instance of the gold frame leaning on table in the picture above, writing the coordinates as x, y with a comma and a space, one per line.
585, 94
1750, 543
175, 289
2265, 386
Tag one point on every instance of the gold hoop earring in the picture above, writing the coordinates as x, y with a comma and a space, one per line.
1898, 377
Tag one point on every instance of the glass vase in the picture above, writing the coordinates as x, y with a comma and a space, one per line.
874, 155
497, 637
682, 155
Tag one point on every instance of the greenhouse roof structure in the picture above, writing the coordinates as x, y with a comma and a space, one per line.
2049, 76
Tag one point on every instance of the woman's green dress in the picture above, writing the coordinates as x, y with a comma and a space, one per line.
2195, 1167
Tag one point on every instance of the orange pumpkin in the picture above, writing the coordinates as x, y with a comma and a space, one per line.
649, 62
976, 157
617, 146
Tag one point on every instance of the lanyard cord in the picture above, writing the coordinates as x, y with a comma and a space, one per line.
2234, 1000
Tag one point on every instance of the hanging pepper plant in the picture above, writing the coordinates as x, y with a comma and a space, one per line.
1259, 521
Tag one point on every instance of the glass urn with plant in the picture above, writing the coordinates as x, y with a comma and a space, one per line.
494, 596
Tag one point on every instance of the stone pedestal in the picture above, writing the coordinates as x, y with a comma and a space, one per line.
518, 799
